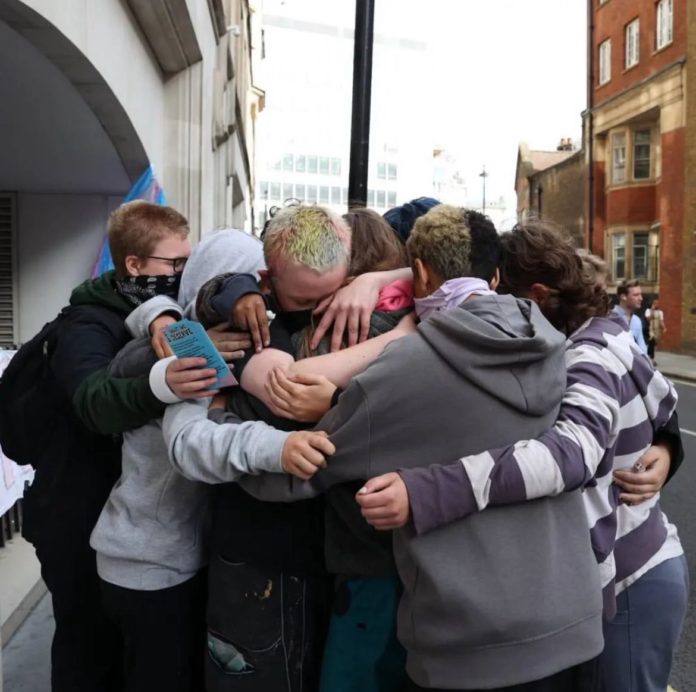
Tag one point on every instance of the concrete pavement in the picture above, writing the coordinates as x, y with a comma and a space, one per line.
676, 366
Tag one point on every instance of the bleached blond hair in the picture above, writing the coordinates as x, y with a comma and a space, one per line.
307, 235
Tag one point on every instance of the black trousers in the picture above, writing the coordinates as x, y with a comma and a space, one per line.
266, 629
85, 653
585, 677
163, 635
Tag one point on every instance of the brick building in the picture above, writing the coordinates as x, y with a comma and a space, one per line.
549, 186
641, 155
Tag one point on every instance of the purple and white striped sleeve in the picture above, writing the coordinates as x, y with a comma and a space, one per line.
562, 459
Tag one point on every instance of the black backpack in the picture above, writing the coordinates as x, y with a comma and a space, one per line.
36, 416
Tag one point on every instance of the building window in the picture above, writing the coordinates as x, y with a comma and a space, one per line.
382, 170
323, 195
618, 256
277, 165
288, 161
618, 158
335, 195
664, 23
324, 165
632, 43
335, 166
391, 198
641, 154
287, 191
604, 61
300, 164
381, 198
312, 194
391, 171
311, 164
300, 192
344, 195
641, 253
370, 198
275, 192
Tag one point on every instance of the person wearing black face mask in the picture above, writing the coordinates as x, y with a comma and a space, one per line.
149, 245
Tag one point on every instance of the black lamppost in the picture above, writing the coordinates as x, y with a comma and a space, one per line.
483, 175
362, 92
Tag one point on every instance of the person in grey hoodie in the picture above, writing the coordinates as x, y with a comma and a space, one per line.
511, 597
150, 537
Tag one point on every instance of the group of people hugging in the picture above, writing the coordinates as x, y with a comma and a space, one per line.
440, 468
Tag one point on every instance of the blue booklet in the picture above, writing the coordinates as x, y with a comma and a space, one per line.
189, 340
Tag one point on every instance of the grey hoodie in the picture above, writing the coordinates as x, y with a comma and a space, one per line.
509, 595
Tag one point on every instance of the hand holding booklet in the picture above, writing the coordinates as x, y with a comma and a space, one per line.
188, 339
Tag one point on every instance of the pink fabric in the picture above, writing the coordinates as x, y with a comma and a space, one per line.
396, 296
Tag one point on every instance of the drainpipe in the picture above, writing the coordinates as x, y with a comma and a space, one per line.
590, 123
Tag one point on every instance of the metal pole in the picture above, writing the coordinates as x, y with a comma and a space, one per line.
362, 91
484, 175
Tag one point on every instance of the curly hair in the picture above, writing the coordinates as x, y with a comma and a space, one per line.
455, 242
534, 253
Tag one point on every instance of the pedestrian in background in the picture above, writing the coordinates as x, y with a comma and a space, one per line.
656, 327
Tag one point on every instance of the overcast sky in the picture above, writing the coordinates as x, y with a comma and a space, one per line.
497, 72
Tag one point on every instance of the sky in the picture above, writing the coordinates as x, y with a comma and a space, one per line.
496, 72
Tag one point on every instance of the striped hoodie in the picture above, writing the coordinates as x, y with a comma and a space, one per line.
614, 404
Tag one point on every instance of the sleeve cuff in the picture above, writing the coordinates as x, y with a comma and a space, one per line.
158, 382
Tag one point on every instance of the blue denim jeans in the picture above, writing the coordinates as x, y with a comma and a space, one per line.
639, 642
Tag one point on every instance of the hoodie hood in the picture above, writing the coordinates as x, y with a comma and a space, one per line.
505, 346
222, 252
101, 291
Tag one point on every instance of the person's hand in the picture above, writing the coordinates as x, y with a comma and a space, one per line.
230, 344
349, 308
158, 340
305, 452
384, 502
407, 324
250, 315
638, 485
217, 402
188, 379
304, 398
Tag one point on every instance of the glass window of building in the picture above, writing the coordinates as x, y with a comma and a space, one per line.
287, 191
344, 195
300, 164
323, 194
618, 256
641, 154
605, 61
391, 171
665, 23
300, 192
370, 198
641, 255
335, 166
324, 165
311, 164
277, 164
312, 194
288, 161
275, 192
618, 158
382, 170
391, 198
335, 195
632, 43
381, 198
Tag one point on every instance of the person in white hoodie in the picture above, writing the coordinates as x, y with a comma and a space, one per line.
150, 537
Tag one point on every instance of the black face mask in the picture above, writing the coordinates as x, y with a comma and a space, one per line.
138, 289
295, 320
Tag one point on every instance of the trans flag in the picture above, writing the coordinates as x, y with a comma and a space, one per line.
146, 188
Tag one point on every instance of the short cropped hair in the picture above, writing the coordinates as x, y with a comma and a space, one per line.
455, 242
374, 245
136, 227
623, 288
308, 235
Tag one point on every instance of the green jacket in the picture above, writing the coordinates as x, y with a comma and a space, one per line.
86, 347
